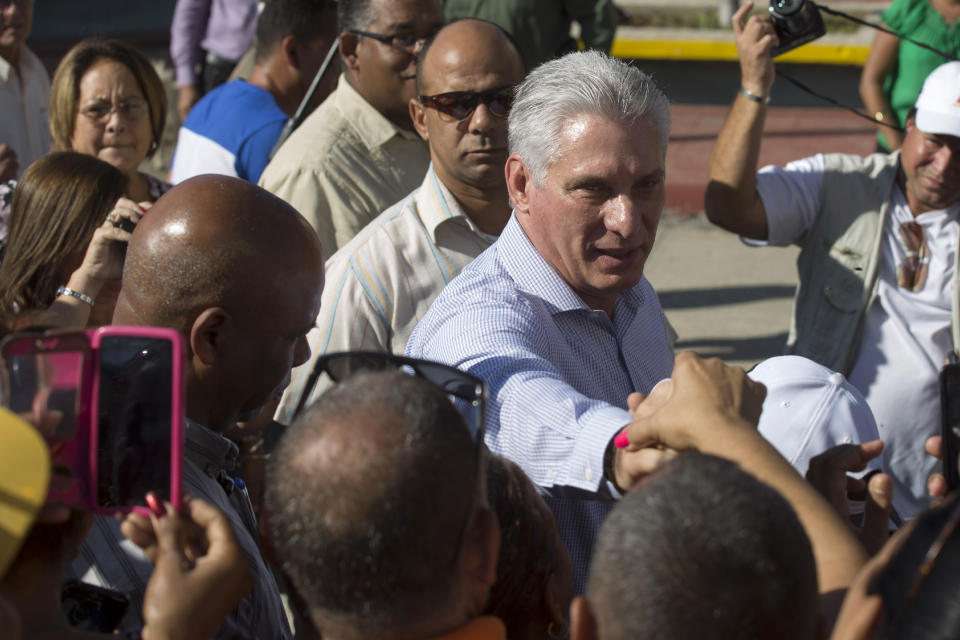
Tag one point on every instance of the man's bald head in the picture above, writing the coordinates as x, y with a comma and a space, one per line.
212, 241
368, 494
462, 39
239, 273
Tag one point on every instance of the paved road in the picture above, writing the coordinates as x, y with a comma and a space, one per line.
726, 299
723, 298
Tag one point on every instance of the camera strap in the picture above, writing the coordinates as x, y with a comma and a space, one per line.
878, 27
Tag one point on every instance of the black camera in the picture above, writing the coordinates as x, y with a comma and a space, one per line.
796, 22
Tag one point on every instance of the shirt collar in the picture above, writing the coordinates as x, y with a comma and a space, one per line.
6, 69
208, 450
482, 628
436, 205
372, 127
532, 273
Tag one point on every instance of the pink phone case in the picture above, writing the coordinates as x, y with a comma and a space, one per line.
176, 412
67, 451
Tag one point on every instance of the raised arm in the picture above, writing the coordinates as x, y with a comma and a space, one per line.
732, 201
880, 64
710, 409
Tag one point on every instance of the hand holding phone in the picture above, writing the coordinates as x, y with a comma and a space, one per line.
201, 571
950, 423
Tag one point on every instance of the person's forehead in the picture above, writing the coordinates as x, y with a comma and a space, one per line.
581, 130
469, 65
109, 73
945, 138
396, 15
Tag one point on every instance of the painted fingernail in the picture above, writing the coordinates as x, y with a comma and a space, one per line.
622, 440
155, 506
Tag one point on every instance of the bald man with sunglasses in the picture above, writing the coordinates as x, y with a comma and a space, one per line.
383, 281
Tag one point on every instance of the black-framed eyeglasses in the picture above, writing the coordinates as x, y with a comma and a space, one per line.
406, 42
452, 381
460, 105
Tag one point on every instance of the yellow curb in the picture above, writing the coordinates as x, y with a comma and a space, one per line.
812, 53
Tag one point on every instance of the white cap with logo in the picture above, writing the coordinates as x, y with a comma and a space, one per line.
938, 105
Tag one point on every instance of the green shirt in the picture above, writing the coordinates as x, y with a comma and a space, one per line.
541, 28
916, 19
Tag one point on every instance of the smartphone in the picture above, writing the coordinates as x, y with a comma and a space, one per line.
950, 422
46, 381
136, 434
109, 402
90, 608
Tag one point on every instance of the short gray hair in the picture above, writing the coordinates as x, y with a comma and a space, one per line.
355, 14
580, 82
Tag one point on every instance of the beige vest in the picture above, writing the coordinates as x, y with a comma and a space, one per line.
840, 259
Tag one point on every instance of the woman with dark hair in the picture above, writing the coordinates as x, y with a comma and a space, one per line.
106, 100
534, 583
64, 255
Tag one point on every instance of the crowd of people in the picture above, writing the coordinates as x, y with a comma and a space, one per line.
427, 390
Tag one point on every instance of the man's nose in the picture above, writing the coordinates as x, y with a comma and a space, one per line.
302, 351
946, 161
481, 120
624, 216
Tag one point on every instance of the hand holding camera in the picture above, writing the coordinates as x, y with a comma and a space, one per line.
755, 38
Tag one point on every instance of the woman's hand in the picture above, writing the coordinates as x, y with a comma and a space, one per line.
103, 260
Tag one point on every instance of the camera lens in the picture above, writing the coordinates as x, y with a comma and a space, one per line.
787, 7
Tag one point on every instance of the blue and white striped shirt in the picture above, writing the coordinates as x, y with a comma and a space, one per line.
558, 372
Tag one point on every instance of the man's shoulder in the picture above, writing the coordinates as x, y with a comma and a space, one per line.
482, 296
232, 112
322, 132
389, 233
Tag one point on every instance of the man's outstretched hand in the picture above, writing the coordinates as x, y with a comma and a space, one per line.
702, 397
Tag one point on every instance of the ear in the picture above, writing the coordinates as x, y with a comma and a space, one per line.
418, 114
208, 334
348, 50
583, 626
519, 182
480, 553
288, 50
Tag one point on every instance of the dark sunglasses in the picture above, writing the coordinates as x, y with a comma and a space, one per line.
452, 381
460, 105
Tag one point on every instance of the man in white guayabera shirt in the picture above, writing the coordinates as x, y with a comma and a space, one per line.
876, 297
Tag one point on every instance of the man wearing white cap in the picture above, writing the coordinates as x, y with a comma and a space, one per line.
876, 298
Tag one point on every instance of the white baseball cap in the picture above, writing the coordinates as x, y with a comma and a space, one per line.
938, 105
809, 409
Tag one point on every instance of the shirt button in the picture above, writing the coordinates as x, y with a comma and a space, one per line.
588, 474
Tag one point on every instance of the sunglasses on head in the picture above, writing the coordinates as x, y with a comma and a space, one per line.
460, 105
452, 381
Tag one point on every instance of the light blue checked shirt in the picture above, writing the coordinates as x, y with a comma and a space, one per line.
558, 372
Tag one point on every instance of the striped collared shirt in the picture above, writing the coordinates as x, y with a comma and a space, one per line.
382, 282
108, 559
557, 371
